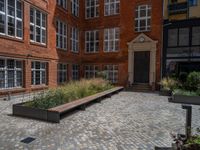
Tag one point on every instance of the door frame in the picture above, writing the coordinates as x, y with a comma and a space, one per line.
142, 43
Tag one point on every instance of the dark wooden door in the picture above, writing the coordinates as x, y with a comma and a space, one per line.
141, 67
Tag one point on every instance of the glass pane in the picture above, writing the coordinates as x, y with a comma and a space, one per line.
172, 37
184, 37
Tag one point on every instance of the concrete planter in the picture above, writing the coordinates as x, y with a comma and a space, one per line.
193, 100
53, 114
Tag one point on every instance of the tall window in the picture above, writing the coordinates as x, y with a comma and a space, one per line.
37, 26
92, 8
75, 7
38, 72
11, 18
62, 3
61, 35
62, 73
92, 41
143, 18
11, 75
111, 39
111, 73
91, 71
74, 39
111, 7
75, 72
196, 35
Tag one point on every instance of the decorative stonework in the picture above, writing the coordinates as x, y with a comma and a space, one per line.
142, 43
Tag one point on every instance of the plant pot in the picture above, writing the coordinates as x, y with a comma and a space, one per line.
191, 147
164, 92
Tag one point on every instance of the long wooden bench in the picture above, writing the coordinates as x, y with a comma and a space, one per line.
82, 102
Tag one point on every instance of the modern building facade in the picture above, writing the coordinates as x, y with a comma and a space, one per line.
48, 42
181, 50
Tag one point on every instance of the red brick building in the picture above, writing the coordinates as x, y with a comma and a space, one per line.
47, 42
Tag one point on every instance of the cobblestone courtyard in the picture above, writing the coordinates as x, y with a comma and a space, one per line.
126, 121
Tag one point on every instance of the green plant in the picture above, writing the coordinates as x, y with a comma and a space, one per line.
168, 83
193, 81
69, 92
184, 92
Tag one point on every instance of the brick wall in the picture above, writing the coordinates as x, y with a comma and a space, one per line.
11, 47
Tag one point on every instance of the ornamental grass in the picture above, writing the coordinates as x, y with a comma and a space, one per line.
69, 92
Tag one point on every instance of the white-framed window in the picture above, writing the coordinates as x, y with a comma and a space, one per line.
111, 7
38, 27
38, 73
74, 39
75, 72
91, 71
11, 73
143, 18
92, 8
62, 73
62, 3
92, 41
11, 18
61, 35
75, 7
111, 72
111, 39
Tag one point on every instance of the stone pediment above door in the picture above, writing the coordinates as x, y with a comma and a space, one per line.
142, 41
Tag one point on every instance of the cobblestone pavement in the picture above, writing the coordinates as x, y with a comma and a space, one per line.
126, 121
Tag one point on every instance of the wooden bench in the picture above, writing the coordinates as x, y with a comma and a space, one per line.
82, 102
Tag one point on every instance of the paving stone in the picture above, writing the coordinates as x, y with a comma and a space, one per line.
126, 121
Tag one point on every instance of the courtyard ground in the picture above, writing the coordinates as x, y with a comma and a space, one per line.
126, 121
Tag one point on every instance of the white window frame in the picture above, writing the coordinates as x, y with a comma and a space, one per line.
112, 39
109, 9
89, 7
74, 40
112, 73
145, 18
5, 69
16, 19
41, 27
61, 35
62, 73
62, 3
75, 71
95, 41
41, 70
91, 71
75, 7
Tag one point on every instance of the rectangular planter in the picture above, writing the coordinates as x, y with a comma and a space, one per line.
40, 114
183, 99
53, 115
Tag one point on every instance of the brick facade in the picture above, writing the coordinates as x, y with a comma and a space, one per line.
28, 52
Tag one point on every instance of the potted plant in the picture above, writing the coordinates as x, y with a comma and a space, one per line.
181, 143
167, 86
189, 91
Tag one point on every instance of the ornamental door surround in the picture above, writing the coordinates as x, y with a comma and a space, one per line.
142, 43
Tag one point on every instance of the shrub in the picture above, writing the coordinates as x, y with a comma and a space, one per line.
168, 83
193, 81
69, 92
185, 92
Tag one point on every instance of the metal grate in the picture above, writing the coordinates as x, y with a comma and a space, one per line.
28, 140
